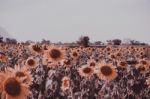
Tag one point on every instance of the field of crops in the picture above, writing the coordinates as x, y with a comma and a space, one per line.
41, 71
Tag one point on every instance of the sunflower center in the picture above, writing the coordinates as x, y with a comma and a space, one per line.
108, 49
106, 70
12, 87
92, 64
75, 54
31, 62
66, 83
87, 70
36, 48
122, 63
143, 62
55, 53
112, 56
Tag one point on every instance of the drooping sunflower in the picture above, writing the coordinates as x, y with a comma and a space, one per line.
14, 88
65, 83
35, 48
106, 72
31, 62
86, 71
54, 54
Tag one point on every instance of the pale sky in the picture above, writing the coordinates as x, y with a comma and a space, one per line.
67, 20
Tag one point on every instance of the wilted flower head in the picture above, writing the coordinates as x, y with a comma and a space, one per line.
35, 48
65, 83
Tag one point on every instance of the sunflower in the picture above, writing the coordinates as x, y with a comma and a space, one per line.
106, 72
142, 68
74, 54
3, 57
54, 54
13, 88
31, 62
65, 83
67, 62
108, 49
86, 71
122, 64
35, 48
92, 63
143, 62
44, 47
112, 56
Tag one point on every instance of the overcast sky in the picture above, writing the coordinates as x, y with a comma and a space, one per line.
67, 20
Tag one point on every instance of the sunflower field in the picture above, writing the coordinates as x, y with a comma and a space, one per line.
49, 71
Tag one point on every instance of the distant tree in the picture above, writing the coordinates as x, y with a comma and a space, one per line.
116, 41
98, 43
28, 42
134, 42
83, 41
11, 41
45, 41
1, 39
109, 42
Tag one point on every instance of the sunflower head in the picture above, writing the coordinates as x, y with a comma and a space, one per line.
12, 87
92, 63
107, 72
112, 56
3, 57
86, 71
31, 62
35, 48
74, 54
122, 64
65, 83
54, 54
142, 68
143, 62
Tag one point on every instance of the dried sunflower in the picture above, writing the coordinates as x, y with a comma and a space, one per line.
65, 83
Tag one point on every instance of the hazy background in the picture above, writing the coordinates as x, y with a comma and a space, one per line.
67, 20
